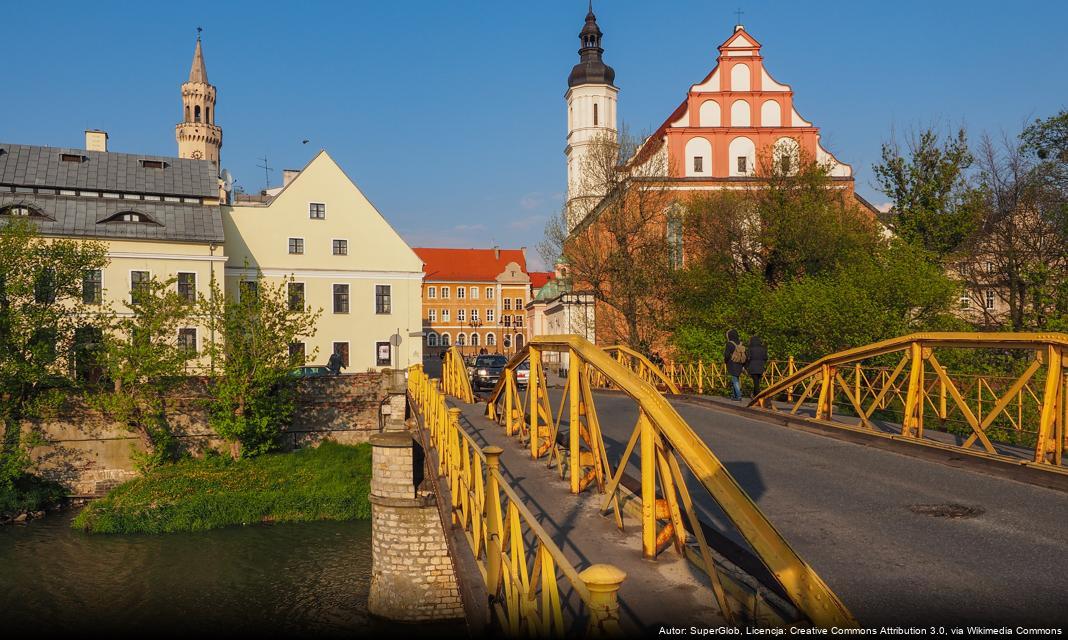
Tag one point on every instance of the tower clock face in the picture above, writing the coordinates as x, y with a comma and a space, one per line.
196, 155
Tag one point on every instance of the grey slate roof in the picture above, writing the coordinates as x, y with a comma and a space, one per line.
33, 166
82, 216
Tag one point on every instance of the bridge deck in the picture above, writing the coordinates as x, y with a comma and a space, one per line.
670, 591
856, 514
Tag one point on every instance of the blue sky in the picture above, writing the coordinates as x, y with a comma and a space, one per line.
450, 115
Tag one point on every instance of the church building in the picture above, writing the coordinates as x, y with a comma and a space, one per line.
733, 128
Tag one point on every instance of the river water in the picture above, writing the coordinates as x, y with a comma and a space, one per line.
285, 579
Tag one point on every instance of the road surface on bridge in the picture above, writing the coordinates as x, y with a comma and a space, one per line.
864, 519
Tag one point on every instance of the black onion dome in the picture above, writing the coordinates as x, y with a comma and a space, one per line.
591, 69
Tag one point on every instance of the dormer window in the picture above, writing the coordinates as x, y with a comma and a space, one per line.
154, 164
130, 216
22, 211
72, 157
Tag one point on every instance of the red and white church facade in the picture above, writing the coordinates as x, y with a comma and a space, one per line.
737, 112
728, 129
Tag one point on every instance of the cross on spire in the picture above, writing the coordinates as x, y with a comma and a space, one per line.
738, 12
199, 29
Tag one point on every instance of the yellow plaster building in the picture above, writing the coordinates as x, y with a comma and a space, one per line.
343, 257
169, 217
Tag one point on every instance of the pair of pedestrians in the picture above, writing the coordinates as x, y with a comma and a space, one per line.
751, 358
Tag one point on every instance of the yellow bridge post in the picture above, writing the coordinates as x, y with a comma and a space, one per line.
573, 429
603, 581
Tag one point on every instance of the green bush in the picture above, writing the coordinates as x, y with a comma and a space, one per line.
28, 493
329, 482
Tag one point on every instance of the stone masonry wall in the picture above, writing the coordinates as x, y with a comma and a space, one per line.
412, 577
92, 454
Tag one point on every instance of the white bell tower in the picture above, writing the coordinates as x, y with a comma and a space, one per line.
591, 120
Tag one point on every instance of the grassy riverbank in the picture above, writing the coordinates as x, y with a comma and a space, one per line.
329, 482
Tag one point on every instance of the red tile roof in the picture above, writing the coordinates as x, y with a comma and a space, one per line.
467, 265
539, 278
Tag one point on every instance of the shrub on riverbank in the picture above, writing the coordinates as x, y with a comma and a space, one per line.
28, 494
330, 482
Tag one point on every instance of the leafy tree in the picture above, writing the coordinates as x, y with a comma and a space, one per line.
928, 185
143, 361
253, 391
797, 264
41, 310
790, 224
617, 251
1019, 250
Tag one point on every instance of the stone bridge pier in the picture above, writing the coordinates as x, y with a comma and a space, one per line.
412, 576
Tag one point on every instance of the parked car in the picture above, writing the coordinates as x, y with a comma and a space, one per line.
487, 371
310, 371
522, 374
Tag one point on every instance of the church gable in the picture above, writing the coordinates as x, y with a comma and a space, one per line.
736, 118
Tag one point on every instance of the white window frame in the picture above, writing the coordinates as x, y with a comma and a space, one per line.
490, 315
333, 240
444, 339
374, 298
489, 293
301, 282
303, 246
491, 339
432, 339
473, 315
196, 338
310, 203
333, 307
431, 315
461, 339
129, 281
431, 293
474, 293
445, 293
446, 316
461, 293
461, 315
473, 339
196, 282
991, 300
103, 289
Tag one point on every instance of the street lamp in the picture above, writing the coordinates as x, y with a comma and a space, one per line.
475, 324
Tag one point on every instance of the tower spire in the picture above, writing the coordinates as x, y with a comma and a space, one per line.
198, 136
198, 72
591, 68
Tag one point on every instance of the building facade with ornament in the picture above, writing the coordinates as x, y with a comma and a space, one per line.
732, 128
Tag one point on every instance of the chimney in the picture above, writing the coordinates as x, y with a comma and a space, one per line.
96, 140
288, 175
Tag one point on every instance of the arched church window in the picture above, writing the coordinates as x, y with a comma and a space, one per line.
196, 113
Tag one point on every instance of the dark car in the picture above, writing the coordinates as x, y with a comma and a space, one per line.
311, 371
487, 371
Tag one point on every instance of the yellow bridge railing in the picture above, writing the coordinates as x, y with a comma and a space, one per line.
1027, 410
454, 379
662, 439
523, 569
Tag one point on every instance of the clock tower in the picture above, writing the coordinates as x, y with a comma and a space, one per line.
198, 136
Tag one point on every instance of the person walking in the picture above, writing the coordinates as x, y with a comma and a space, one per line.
335, 364
757, 362
734, 357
